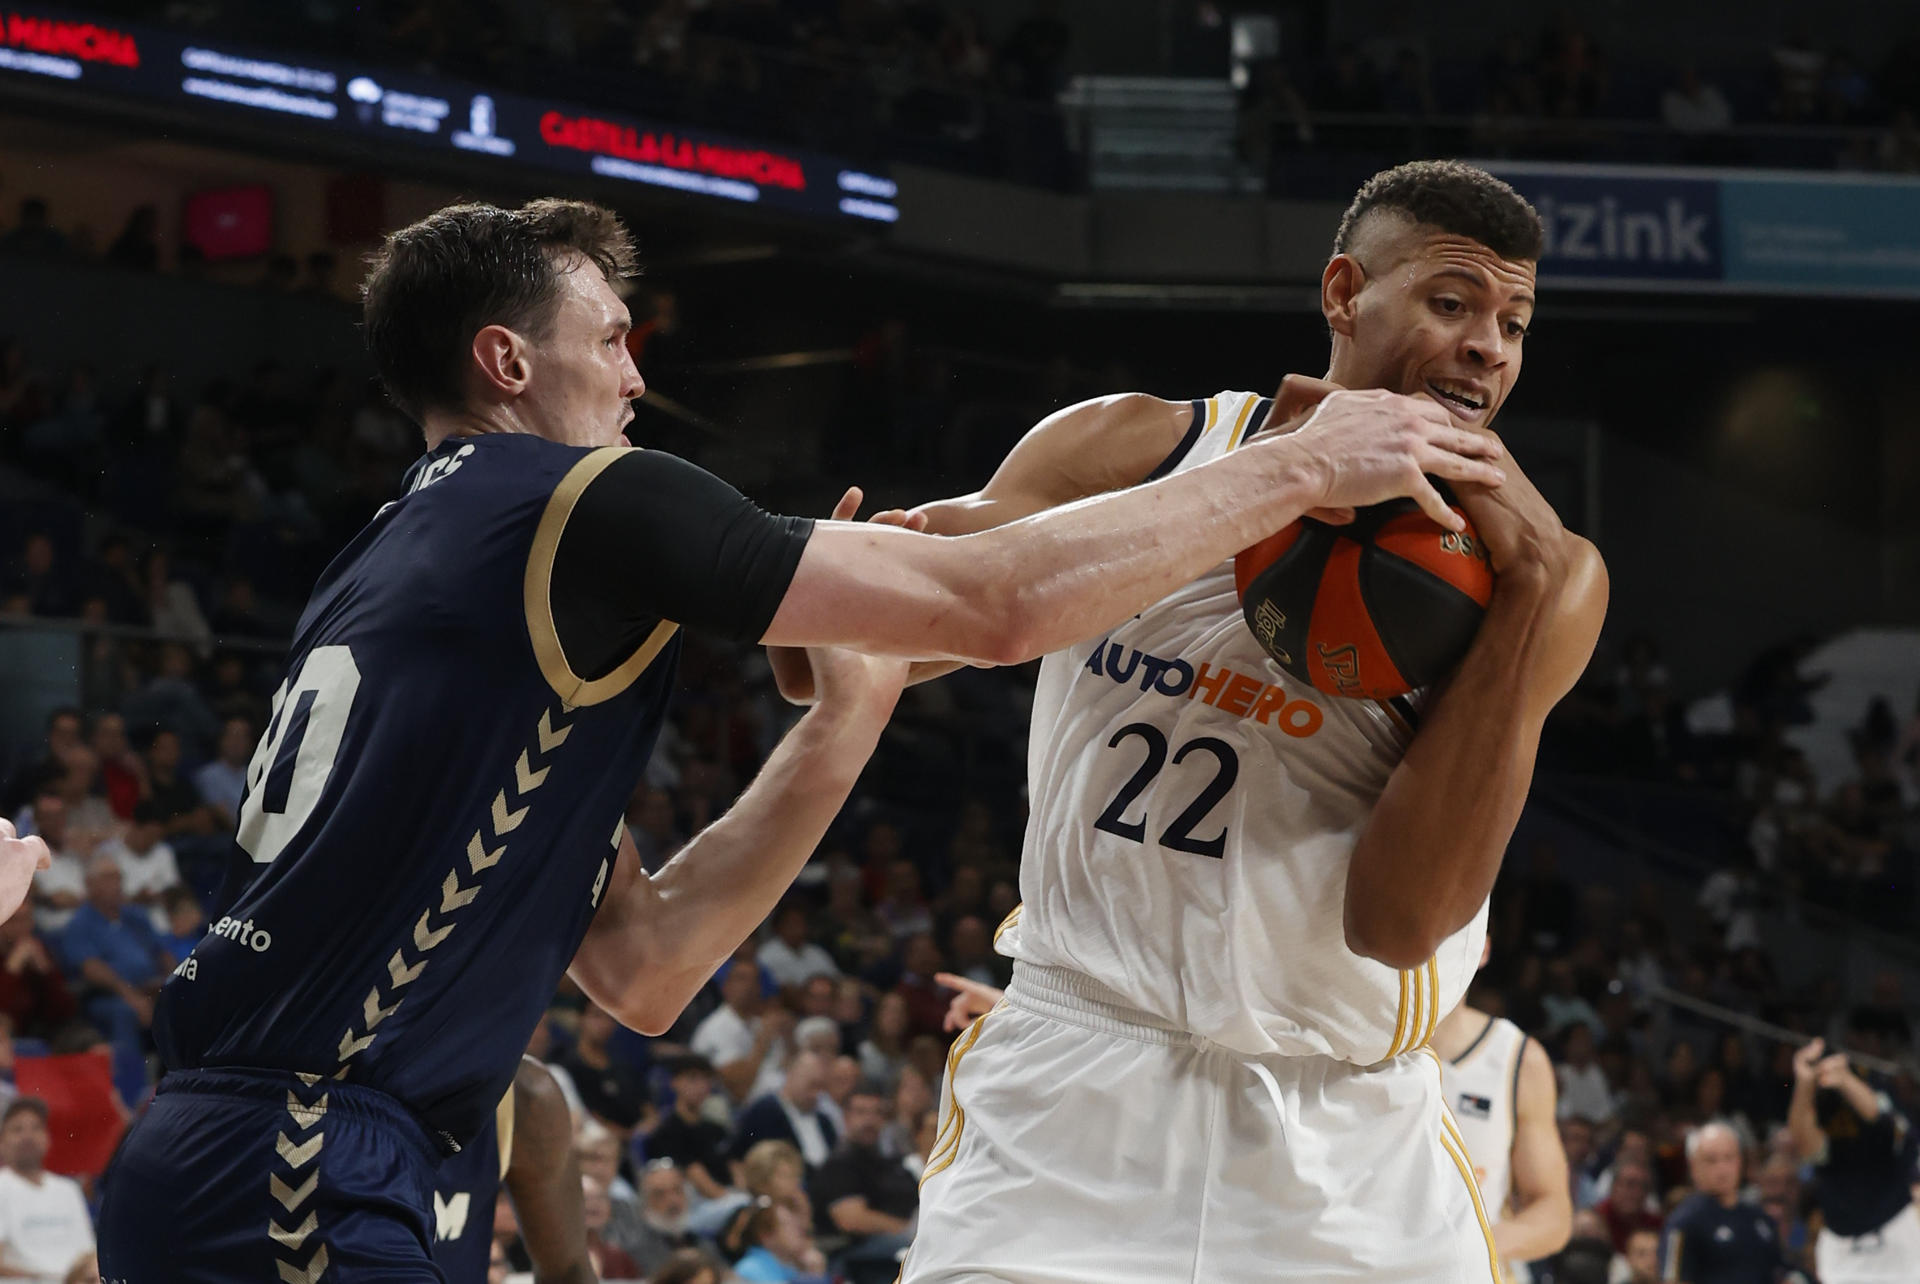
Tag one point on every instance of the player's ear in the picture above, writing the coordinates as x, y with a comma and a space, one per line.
1339, 287
501, 356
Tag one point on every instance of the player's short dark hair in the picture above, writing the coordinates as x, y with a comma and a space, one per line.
1456, 198
432, 285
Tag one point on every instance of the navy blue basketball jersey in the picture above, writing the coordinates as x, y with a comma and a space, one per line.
432, 814
1709, 1243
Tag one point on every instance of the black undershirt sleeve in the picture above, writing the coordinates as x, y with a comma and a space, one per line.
654, 538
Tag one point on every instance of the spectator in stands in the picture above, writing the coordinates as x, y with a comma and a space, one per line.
912, 1099
775, 1171
238, 614
44, 1225
855, 934
698, 1146
1584, 1091
686, 1267
221, 782
609, 1263
778, 1249
971, 954
662, 1216
121, 965
792, 1114
137, 248
862, 1193
655, 830
883, 1053
147, 866
122, 775
34, 234
903, 909
33, 994
843, 1077
1861, 1146
36, 575
1714, 1237
790, 956
172, 700
1643, 1257
614, 1092
597, 1150
177, 801
186, 922
1779, 1189
63, 735
61, 888
1694, 106
90, 822
926, 998
1576, 1138
1630, 1204
1565, 1005
745, 1038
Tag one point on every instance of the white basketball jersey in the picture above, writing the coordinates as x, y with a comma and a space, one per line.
1194, 808
1483, 1091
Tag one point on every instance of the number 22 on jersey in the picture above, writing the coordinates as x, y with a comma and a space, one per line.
1179, 834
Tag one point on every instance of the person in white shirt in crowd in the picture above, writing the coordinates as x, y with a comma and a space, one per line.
792, 1114
20, 860
790, 956
60, 887
1584, 1090
44, 1226
746, 1045
147, 864
222, 782
1694, 106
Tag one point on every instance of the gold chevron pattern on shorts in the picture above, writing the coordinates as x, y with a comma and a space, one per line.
946, 1144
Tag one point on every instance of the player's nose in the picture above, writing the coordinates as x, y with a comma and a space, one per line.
632, 385
1483, 345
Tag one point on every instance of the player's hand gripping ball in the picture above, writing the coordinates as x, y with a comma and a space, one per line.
1373, 609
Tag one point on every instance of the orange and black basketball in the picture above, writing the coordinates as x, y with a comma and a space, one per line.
1374, 609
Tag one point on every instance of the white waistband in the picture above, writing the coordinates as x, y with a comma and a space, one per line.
1066, 995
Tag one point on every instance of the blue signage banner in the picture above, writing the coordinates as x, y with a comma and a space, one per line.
1757, 232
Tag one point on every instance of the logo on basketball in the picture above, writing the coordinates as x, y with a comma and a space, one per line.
1342, 664
1465, 543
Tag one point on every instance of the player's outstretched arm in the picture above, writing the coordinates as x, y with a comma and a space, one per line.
655, 941
1542, 1218
543, 1179
1428, 856
1018, 591
1803, 1122
20, 858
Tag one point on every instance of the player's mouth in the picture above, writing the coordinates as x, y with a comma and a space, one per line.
1465, 399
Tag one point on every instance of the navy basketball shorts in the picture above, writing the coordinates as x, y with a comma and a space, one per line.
268, 1176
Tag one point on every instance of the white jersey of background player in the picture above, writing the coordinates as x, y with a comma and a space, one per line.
1246, 904
1500, 1088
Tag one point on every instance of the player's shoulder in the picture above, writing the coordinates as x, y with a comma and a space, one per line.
1694, 1210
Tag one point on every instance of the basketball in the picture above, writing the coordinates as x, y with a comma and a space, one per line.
1374, 609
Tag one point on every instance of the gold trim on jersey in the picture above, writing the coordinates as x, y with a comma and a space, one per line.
1240, 424
1416, 1021
1399, 1022
538, 595
946, 1145
1213, 415
503, 1130
1433, 1000
1013, 916
1456, 1148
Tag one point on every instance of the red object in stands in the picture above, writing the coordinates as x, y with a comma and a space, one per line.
83, 1120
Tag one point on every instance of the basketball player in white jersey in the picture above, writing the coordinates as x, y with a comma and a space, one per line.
1247, 904
1500, 1088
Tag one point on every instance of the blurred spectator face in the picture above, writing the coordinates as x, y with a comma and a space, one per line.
77, 781
38, 555
50, 820
866, 1116
968, 890
692, 1086
816, 997
142, 835
163, 754
1631, 1184
1643, 1256
596, 1027
883, 844
1576, 1138
1001, 900
1715, 1162
818, 1035
663, 1198
236, 742
912, 1096
1779, 1184
1680, 1063
175, 661
1579, 1050
806, 1076
23, 1142
843, 1076
506, 1225
849, 1004
184, 915
843, 897
104, 886
891, 1018
741, 990
110, 737
598, 1209
1635, 1147
1711, 1094
923, 956
791, 926
63, 735
903, 883
927, 1055
789, 1241
599, 1153
970, 941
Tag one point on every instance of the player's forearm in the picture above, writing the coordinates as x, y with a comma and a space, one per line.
1540, 1229
1803, 1124
722, 885
1428, 856
1072, 572
1861, 1096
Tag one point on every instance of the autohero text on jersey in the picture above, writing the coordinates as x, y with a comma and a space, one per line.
1221, 688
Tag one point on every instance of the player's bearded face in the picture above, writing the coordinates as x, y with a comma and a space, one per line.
583, 380
1445, 320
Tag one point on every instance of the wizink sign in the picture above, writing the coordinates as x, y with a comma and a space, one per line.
1615, 223
1739, 231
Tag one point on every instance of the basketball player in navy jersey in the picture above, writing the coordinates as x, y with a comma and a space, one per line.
20, 858
432, 830
528, 1148
1862, 1149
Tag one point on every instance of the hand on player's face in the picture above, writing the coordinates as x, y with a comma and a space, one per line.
1372, 446
1440, 317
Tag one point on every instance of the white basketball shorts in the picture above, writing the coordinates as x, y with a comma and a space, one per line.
1082, 1142
1891, 1255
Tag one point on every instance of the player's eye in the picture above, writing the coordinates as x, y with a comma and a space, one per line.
1449, 305
1516, 330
